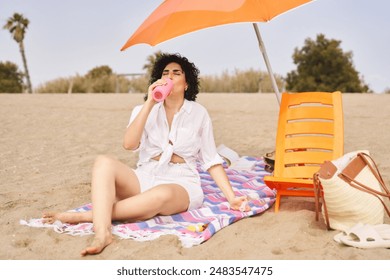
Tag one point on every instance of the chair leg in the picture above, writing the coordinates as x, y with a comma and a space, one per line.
277, 203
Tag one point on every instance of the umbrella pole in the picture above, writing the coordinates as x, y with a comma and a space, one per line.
263, 51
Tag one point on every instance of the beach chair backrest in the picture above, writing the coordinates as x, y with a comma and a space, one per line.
310, 131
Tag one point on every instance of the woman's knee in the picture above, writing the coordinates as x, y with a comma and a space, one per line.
103, 161
104, 166
177, 196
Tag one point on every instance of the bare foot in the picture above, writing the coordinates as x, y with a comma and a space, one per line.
97, 246
67, 217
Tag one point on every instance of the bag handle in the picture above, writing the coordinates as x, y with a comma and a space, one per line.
362, 187
374, 169
319, 193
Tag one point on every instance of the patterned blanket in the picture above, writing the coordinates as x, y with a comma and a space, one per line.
195, 226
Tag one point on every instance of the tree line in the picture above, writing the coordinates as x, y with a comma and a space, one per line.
321, 65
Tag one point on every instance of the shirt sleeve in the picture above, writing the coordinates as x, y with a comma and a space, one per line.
208, 154
133, 115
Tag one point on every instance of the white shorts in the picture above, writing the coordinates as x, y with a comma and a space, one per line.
175, 173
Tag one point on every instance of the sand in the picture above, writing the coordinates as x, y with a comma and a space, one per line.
48, 144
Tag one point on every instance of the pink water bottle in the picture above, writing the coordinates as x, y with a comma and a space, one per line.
161, 92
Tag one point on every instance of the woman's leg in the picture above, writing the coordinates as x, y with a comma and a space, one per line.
161, 200
164, 199
111, 181
105, 169
155, 201
108, 174
116, 196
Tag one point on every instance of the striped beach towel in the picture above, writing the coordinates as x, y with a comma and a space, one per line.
195, 226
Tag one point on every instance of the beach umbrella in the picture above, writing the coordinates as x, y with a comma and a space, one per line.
173, 18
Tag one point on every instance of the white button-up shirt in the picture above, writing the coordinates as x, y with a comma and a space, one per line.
190, 137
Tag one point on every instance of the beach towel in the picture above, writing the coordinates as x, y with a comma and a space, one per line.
195, 226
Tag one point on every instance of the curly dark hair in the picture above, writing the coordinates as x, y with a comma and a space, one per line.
189, 68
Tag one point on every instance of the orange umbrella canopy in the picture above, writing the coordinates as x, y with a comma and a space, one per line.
177, 17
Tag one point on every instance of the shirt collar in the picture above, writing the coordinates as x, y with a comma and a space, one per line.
187, 106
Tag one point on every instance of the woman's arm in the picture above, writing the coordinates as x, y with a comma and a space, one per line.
134, 131
219, 175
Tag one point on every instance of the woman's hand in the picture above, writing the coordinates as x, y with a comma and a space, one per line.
240, 204
159, 82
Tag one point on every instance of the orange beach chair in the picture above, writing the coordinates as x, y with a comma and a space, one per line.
310, 131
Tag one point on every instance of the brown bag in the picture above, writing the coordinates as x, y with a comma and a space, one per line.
352, 191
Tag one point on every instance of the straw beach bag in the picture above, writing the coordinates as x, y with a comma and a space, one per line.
352, 191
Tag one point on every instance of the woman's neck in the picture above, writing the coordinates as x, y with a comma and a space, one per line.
173, 104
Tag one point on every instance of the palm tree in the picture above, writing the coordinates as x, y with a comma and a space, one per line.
151, 59
17, 26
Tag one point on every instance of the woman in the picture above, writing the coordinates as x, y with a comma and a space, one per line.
171, 137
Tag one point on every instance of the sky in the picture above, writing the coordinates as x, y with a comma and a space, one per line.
71, 37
